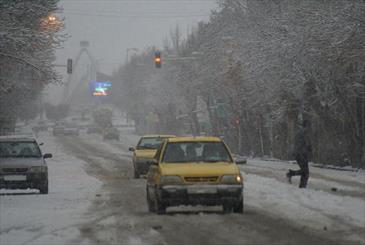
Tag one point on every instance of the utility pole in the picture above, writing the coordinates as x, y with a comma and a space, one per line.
92, 73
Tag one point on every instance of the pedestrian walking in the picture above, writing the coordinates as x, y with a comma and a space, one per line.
302, 152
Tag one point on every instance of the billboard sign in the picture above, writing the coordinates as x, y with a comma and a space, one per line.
100, 88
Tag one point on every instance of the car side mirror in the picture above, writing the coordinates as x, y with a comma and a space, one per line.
41, 143
47, 155
153, 162
131, 149
241, 160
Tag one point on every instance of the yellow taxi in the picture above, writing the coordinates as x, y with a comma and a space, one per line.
194, 171
145, 151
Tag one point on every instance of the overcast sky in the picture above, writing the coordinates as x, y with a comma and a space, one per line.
112, 26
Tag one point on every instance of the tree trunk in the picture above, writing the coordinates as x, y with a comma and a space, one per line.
261, 141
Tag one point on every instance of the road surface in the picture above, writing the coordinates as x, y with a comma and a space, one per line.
105, 205
123, 216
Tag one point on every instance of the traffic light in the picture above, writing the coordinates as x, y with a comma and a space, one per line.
236, 121
69, 66
158, 59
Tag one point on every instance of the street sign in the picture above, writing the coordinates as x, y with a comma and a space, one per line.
100, 88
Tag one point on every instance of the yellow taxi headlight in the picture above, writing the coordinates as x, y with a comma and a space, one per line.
231, 179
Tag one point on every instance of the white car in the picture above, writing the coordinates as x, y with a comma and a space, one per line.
22, 164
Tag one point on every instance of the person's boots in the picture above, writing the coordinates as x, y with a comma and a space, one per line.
289, 175
303, 181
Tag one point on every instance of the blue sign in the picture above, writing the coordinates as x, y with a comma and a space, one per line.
100, 88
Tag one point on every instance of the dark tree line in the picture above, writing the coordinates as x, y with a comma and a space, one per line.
261, 67
28, 38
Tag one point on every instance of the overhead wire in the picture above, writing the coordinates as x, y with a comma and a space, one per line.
138, 1
137, 12
150, 15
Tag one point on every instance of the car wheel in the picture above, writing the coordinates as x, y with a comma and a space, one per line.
227, 208
239, 207
151, 206
43, 189
136, 174
159, 207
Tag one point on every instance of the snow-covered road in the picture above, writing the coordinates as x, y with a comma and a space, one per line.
95, 200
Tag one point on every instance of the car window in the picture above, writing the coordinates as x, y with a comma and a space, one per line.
158, 153
149, 143
19, 149
183, 152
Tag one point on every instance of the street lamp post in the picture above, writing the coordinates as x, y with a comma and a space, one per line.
51, 23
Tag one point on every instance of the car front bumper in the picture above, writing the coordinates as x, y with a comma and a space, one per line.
23, 180
210, 195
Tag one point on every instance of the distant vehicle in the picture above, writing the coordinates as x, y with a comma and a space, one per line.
62, 128
111, 133
58, 130
94, 130
194, 171
71, 131
81, 122
22, 164
145, 151
81, 119
41, 126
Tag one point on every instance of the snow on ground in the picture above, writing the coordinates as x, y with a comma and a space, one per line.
313, 207
336, 175
127, 139
31, 218
54, 218
267, 190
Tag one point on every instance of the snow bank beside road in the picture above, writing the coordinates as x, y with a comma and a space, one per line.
303, 204
52, 218
283, 166
314, 209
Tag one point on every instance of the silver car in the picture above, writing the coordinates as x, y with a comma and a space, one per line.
22, 164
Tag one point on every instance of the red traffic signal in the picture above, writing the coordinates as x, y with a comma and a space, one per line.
158, 63
236, 121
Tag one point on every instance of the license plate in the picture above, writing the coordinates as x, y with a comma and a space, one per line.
15, 178
202, 191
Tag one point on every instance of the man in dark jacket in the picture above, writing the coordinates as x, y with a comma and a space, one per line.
302, 153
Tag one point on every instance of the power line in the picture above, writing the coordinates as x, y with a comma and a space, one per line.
134, 16
139, 1
134, 12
